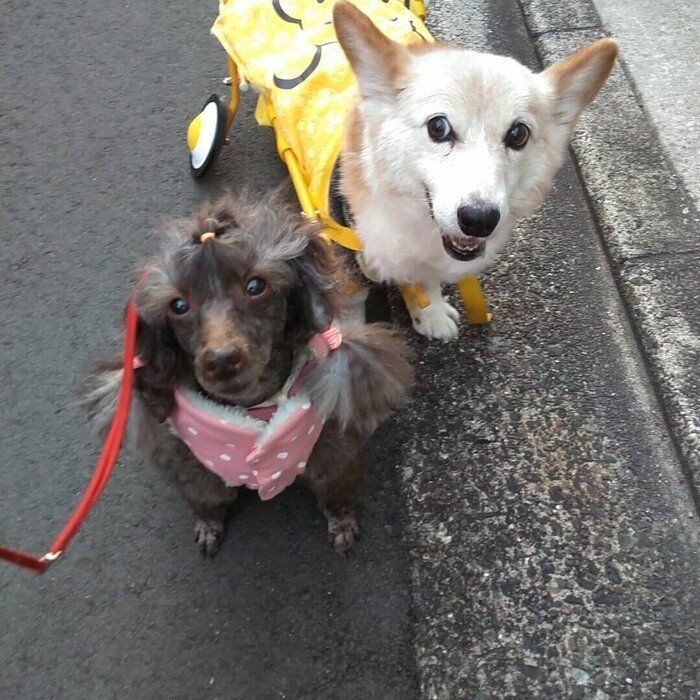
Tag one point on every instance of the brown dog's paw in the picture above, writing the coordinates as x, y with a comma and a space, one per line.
209, 534
342, 531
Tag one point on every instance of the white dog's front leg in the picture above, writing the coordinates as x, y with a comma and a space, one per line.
439, 319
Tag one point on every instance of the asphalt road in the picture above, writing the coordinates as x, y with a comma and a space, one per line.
94, 99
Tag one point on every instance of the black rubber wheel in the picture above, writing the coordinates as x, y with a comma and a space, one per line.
200, 163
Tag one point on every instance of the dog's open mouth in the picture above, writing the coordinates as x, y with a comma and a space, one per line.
463, 248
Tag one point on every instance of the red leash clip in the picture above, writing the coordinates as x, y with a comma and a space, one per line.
105, 462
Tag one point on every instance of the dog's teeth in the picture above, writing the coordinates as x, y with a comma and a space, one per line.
470, 247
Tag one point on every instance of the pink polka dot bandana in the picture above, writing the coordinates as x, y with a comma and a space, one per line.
264, 447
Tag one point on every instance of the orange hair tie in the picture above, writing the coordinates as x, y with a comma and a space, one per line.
206, 236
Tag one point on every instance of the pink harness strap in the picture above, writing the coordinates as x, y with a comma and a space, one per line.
266, 453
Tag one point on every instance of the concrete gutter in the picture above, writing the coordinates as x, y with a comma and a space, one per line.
648, 221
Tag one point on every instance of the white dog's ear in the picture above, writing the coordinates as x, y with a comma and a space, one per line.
376, 60
577, 79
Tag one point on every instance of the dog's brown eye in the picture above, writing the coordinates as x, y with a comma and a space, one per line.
179, 306
255, 286
439, 128
517, 136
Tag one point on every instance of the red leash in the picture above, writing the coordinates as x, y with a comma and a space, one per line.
105, 462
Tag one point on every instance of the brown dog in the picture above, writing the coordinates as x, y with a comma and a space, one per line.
226, 315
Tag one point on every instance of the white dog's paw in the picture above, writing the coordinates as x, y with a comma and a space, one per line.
209, 534
438, 321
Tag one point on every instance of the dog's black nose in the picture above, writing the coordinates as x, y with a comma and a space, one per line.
478, 220
220, 362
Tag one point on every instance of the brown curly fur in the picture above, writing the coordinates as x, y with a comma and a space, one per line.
357, 386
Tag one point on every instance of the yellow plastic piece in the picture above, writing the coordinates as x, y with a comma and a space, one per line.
414, 297
233, 98
418, 8
193, 132
473, 300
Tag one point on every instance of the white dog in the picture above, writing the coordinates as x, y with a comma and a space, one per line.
446, 149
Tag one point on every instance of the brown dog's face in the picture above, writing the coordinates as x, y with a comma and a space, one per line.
230, 330
229, 311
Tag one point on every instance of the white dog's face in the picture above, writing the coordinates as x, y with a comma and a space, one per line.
476, 136
469, 128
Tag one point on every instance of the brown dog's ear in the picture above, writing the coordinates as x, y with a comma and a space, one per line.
376, 60
165, 363
577, 79
315, 285
364, 380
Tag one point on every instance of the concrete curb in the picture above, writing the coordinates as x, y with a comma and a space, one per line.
648, 221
